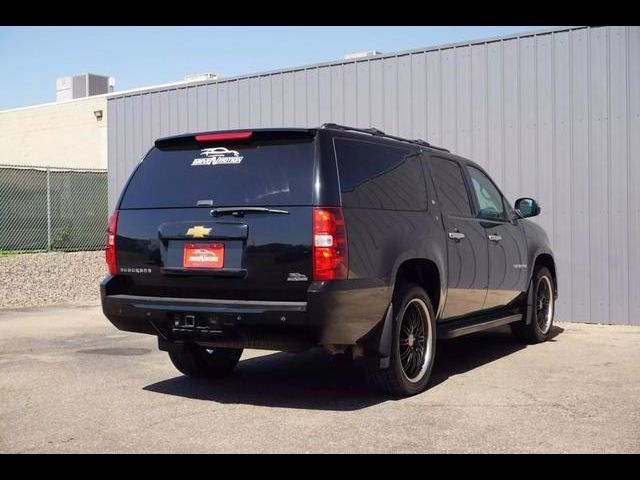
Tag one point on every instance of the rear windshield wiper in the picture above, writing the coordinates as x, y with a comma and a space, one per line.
240, 211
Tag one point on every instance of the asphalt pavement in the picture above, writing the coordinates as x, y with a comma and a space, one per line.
71, 382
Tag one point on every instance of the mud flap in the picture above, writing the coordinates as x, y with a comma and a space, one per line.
386, 338
530, 305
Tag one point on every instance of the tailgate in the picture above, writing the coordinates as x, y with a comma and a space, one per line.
259, 257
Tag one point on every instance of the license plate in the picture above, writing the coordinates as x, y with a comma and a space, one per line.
203, 255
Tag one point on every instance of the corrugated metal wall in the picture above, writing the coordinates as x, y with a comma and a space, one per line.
553, 115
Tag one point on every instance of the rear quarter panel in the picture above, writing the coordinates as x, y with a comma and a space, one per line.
380, 241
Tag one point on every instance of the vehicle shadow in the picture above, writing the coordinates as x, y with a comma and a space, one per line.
466, 353
314, 380
310, 380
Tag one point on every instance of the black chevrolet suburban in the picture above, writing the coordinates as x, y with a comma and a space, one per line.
367, 244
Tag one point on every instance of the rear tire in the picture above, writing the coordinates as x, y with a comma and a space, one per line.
196, 361
413, 346
539, 316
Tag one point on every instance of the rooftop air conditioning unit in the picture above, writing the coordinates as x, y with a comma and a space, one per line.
78, 86
197, 77
356, 55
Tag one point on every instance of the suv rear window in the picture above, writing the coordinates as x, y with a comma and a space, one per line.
270, 173
380, 176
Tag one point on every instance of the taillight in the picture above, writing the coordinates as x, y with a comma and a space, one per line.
220, 137
110, 244
330, 249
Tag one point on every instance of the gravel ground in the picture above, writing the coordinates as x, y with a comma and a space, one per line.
38, 279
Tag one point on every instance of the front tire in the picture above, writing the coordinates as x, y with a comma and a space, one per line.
413, 347
539, 316
196, 361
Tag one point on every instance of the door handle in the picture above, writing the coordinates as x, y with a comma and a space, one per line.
495, 238
457, 236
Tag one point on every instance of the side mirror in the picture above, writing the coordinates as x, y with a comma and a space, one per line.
527, 207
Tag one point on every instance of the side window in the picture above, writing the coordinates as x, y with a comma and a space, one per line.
488, 196
452, 191
379, 176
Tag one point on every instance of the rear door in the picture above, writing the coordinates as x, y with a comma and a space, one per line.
467, 254
221, 219
506, 241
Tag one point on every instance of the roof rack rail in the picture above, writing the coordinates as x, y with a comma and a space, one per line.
380, 133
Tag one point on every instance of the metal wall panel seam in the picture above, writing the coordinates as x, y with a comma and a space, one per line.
294, 85
552, 67
503, 160
571, 164
589, 155
533, 129
470, 123
410, 89
519, 114
426, 98
608, 157
454, 82
486, 100
634, 214
628, 159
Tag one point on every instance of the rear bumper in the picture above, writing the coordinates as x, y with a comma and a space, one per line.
336, 314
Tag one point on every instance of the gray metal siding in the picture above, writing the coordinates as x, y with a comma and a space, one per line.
554, 115
79, 88
97, 84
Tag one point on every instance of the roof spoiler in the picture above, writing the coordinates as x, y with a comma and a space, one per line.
233, 136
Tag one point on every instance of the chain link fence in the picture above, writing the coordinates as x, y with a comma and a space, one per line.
45, 208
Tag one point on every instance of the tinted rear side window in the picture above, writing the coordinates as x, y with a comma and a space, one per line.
379, 176
270, 174
452, 192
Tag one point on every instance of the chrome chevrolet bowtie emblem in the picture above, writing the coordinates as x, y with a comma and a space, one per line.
198, 231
